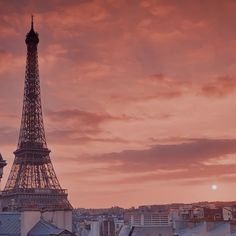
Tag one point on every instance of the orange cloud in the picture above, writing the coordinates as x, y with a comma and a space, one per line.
221, 86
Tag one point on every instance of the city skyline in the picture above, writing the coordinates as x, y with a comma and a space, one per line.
138, 97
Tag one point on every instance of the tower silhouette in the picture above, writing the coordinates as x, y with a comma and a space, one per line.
32, 183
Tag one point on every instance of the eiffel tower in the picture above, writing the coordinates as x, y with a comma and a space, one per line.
32, 183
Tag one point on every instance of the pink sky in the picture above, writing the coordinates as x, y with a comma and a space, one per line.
139, 96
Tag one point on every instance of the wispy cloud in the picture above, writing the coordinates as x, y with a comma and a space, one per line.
220, 86
184, 161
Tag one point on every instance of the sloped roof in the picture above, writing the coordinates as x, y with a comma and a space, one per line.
198, 229
124, 231
151, 231
45, 228
10, 224
219, 229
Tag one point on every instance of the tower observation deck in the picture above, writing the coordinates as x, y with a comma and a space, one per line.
32, 183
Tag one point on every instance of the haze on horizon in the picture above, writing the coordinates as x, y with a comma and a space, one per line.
138, 96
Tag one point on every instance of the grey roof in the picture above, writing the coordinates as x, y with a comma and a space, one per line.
151, 231
209, 229
124, 231
45, 228
219, 229
197, 229
10, 224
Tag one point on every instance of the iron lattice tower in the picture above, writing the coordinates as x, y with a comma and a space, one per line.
32, 183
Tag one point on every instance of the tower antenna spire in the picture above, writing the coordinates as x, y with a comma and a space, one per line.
32, 21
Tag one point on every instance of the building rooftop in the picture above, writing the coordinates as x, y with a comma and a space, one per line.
10, 224
45, 228
151, 231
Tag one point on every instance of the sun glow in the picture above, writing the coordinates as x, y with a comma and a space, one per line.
214, 187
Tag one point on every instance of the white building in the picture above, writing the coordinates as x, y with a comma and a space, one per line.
95, 228
118, 225
138, 218
229, 213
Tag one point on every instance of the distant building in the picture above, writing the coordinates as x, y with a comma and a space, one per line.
98, 227
94, 228
137, 218
118, 225
186, 212
229, 213
198, 213
213, 214
108, 228
201, 213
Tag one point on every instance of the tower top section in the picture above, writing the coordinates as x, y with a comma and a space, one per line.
32, 37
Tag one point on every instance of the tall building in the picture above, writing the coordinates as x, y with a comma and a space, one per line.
108, 228
32, 183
